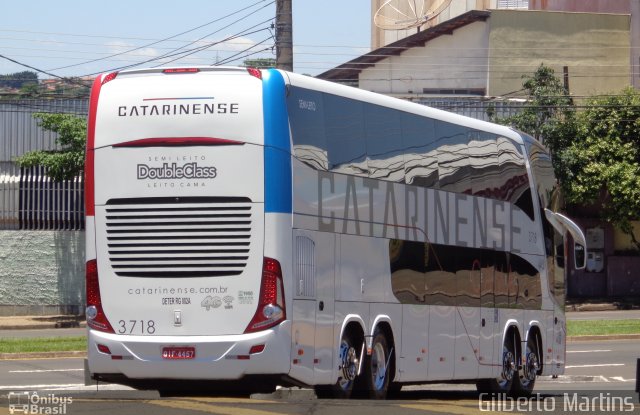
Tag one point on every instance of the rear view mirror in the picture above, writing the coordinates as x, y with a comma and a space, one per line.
560, 221
579, 256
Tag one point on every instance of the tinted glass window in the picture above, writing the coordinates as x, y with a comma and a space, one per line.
468, 283
423, 273
384, 143
407, 271
421, 155
514, 182
487, 278
440, 274
559, 268
501, 279
542, 170
526, 289
453, 158
345, 135
485, 167
306, 117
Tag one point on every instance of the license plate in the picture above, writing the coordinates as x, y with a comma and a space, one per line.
178, 353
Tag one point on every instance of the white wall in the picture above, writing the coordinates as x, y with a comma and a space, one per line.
42, 272
380, 37
447, 62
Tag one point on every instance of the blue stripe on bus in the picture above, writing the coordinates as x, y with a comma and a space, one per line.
277, 145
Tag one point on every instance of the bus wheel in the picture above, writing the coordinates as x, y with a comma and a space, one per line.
349, 362
508, 373
526, 381
376, 368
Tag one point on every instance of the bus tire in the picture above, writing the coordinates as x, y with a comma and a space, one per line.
376, 371
508, 371
348, 361
524, 383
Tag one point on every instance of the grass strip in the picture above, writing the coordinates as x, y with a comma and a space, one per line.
42, 344
602, 327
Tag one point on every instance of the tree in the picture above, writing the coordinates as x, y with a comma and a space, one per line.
68, 162
29, 90
18, 79
603, 163
595, 152
260, 63
549, 113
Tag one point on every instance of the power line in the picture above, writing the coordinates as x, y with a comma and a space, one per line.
184, 53
222, 28
167, 38
320, 45
231, 58
69, 80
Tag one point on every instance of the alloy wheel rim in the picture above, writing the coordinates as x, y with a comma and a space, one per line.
349, 364
379, 366
508, 367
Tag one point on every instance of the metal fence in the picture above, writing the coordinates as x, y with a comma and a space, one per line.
45, 204
19, 131
9, 196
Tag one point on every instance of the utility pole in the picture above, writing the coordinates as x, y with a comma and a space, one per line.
284, 35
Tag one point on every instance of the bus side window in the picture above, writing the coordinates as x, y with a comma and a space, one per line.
484, 163
306, 115
514, 181
420, 158
345, 135
407, 271
453, 158
559, 267
383, 139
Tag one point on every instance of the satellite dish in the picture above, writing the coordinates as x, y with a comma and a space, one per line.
407, 14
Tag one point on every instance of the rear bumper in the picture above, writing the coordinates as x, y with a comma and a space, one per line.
217, 357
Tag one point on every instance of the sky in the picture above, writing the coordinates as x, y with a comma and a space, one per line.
78, 38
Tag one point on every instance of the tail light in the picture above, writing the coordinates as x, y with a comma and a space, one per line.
109, 77
255, 72
271, 307
96, 318
89, 200
180, 70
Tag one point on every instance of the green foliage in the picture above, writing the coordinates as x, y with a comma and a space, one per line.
260, 63
67, 162
549, 115
596, 151
604, 160
29, 90
18, 79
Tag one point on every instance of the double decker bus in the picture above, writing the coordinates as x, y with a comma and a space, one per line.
270, 228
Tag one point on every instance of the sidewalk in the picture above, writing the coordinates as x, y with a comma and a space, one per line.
41, 322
